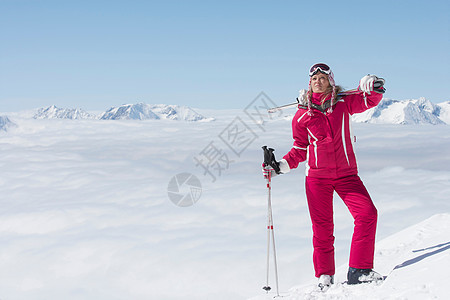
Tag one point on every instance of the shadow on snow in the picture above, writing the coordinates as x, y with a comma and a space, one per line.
441, 248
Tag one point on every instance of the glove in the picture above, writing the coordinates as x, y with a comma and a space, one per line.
302, 96
268, 170
282, 165
366, 83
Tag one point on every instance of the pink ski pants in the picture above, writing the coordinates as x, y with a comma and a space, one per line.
319, 192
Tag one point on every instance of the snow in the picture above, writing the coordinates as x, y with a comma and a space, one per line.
414, 262
406, 112
444, 111
138, 111
5, 123
143, 111
53, 112
415, 111
86, 214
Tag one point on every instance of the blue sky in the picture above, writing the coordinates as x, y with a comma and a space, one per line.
211, 54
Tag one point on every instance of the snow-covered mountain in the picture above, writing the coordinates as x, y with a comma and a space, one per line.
388, 111
444, 113
143, 111
5, 123
416, 111
53, 112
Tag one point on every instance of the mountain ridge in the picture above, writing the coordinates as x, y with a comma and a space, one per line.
138, 111
388, 111
143, 111
6, 123
406, 112
54, 112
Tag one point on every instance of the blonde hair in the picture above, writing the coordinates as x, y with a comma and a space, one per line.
327, 93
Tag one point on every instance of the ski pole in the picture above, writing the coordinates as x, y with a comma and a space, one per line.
378, 87
268, 156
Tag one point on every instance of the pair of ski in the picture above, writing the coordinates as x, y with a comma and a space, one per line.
377, 87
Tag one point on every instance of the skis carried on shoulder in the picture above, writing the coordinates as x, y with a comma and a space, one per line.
378, 87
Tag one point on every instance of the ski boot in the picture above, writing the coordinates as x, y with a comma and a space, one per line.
357, 276
325, 281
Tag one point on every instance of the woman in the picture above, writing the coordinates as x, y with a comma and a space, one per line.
322, 138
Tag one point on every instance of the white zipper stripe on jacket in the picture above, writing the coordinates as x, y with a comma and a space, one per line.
343, 139
352, 138
298, 120
307, 167
315, 147
299, 148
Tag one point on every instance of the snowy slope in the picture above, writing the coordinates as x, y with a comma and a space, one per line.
418, 111
143, 111
444, 113
53, 112
415, 262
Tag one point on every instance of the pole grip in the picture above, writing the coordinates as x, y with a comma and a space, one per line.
269, 159
378, 86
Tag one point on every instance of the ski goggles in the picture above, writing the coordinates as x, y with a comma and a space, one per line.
319, 67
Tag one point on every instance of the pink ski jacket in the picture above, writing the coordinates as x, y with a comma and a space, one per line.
324, 139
